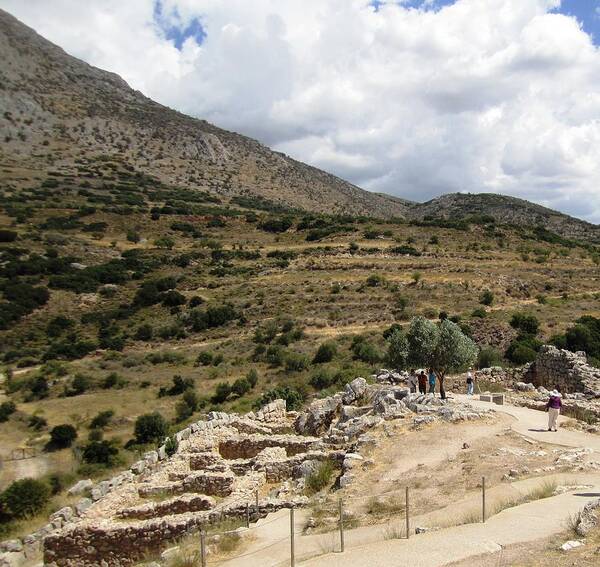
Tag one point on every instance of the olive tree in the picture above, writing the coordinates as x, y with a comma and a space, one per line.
442, 347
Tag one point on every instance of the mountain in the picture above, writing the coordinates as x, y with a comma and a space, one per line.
505, 210
62, 116
62, 112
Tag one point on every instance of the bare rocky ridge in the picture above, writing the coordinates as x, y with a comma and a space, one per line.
58, 110
61, 114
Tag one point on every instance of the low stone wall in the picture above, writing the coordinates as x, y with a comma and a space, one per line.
179, 505
95, 545
247, 447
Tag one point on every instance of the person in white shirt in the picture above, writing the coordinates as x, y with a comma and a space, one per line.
412, 381
470, 382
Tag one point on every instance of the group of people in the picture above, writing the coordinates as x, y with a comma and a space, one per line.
424, 380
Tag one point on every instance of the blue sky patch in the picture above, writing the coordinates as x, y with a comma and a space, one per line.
173, 28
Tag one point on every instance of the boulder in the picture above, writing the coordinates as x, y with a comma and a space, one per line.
319, 416
80, 487
354, 390
588, 518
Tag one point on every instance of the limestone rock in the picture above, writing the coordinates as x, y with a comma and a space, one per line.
80, 487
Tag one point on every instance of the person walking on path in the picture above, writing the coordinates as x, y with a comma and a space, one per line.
470, 382
553, 406
431, 381
422, 383
412, 380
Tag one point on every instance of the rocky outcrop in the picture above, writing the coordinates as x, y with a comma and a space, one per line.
568, 371
588, 518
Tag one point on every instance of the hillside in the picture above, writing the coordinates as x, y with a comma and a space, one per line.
505, 210
60, 111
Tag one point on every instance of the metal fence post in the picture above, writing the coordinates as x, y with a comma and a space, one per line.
341, 506
256, 498
247, 515
292, 542
203, 547
483, 498
407, 515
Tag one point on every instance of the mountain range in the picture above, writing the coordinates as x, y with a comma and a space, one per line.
61, 114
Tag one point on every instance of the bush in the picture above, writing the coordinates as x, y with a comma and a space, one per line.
241, 387
36, 422
99, 452
275, 355
489, 357
375, 280
527, 324
171, 446
365, 351
7, 236
479, 313
325, 353
6, 410
294, 398
321, 379
173, 298
222, 392
59, 325
150, 428
111, 381
296, 362
486, 298
320, 478
521, 354
275, 225
204, 358
252, 377
182, 411
102, 419
79, 385
62, 436
24, 498
144, 333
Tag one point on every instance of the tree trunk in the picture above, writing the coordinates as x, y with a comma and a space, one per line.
442, 391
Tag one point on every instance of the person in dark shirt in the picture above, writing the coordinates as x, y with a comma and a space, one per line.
553, 406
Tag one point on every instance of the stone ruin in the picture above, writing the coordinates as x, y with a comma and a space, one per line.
225, 466
569, 371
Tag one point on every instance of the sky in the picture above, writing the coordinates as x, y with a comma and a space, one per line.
415, 98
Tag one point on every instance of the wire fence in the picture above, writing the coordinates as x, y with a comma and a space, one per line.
279, 550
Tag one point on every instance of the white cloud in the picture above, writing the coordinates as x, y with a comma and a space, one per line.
500, 95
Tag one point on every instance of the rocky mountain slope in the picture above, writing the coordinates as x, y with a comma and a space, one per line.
59, 111
61, 114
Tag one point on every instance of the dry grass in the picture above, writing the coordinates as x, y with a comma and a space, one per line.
395, 530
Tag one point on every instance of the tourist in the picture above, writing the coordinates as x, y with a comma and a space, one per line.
553, 406
470, 382
422, 383
412, 380
431, 381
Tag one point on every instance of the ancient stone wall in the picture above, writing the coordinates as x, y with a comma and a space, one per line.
568, 371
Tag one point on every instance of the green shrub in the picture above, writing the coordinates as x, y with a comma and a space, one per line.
294, 397
62, 436
375, 280
479, 313
24, 498
296, 362
525, 323
321, 379
171, 446
486, 297
204, 358
150, 428
252, 377
489, 357
321, 478
325, 353
222, 392
6, 410
144, 333
102, 419
241, 387
99, 452
36, 422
